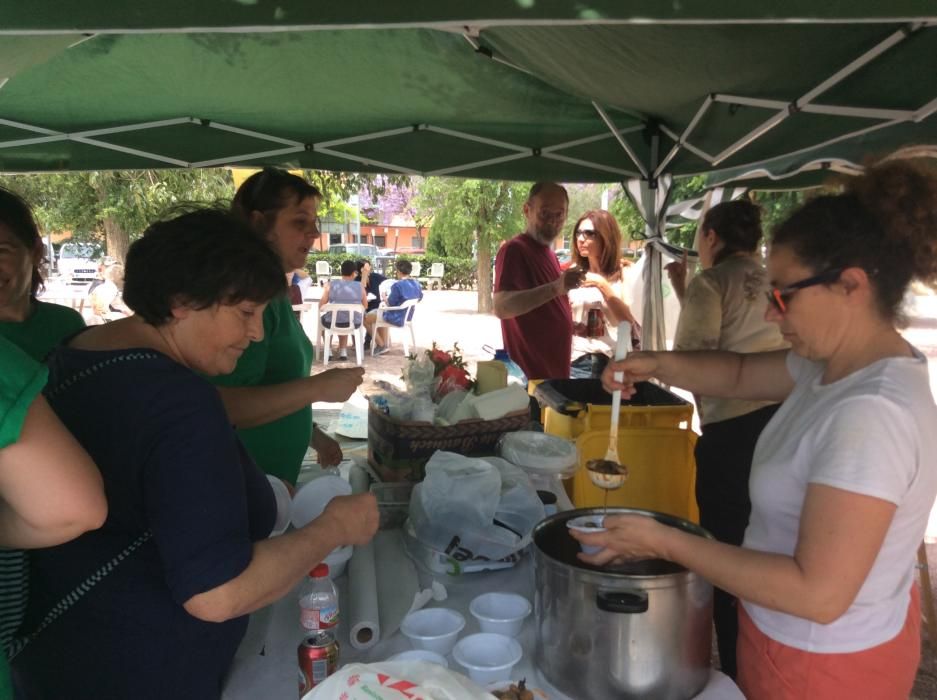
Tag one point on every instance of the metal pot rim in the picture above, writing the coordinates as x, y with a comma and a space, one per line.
601, 576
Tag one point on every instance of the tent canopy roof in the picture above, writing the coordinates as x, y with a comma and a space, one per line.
529, 90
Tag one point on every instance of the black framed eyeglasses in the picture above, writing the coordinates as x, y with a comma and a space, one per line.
588, 233
780, 298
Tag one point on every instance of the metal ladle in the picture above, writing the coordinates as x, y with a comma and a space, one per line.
609, 473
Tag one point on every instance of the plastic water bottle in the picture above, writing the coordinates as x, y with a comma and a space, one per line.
318, 602
515, 373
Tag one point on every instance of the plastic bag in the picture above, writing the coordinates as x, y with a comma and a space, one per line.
474, 509
419, 375
396, 680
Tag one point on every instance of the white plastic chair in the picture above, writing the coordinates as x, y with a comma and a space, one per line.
379, 322
384, 288
323, 272
416, 269
434, 278
355, 332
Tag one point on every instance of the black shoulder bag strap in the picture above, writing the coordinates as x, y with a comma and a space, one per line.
69, 599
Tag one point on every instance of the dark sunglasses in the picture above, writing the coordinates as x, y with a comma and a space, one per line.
588, 233
780, 298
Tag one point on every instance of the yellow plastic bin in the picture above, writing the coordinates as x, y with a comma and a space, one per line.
574, 406
661, 471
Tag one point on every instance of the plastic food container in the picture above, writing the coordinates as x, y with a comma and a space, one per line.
539, 453
587, 523
487, 657
393, 502
284, 505
433, 629
500, 613
421, 655
312, 498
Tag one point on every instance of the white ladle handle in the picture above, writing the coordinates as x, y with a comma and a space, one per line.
621, 352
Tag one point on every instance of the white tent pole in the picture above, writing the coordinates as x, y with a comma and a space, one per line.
837, 77
590, 139
367, 161
130, 151
686, 144
231, 160
925, 111
367, 137
589, 164
813, 108
618, 137
475, 139
681, 140
479, 164
254, 134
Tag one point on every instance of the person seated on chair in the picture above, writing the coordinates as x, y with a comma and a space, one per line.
404, 288
105, 299
347, 290
371, 281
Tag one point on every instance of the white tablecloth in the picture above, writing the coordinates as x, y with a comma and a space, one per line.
273, 676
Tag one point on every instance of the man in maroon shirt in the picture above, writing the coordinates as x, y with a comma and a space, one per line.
530, 290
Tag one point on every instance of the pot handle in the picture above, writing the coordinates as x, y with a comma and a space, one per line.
628, 602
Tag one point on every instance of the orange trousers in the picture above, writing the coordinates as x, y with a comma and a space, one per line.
769, 670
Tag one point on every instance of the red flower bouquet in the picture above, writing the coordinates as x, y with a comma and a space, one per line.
437, 373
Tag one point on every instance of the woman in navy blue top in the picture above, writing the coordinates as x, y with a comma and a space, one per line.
166, 621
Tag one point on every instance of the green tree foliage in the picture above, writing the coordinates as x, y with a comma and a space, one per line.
470, 218
775, 206
116, 206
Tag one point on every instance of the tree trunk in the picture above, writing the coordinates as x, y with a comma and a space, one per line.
116, 239
485, 304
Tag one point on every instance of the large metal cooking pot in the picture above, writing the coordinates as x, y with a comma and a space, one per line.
637, 630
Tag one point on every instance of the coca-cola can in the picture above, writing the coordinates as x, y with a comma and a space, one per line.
318, 659
595, 323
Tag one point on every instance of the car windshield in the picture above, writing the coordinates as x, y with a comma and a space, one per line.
78, 250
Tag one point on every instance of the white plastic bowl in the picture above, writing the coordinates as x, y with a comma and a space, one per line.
500, 613
421, 655
433, 629
314, 496
338, 560
487, 657
282, 495
587, 523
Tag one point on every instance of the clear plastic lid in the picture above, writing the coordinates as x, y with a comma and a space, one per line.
539, 453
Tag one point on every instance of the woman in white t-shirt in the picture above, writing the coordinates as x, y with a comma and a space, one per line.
845, 474
598, 305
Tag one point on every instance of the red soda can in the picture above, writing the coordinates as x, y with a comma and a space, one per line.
318, 659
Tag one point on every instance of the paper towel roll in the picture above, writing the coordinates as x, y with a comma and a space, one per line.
363, 617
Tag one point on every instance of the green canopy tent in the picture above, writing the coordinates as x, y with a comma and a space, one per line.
636, 91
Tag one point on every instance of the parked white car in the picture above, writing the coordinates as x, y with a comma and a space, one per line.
78, 261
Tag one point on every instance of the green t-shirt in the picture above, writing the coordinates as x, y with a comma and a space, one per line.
21, 381
283, 355
47, 326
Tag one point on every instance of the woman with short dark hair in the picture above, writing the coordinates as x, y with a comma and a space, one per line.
185, 541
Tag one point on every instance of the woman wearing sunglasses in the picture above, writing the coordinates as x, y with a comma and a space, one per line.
723, 308
845, 473
598, 306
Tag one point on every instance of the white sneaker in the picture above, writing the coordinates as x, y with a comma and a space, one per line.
381, 349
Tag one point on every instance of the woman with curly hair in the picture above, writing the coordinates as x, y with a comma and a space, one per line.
845, 473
